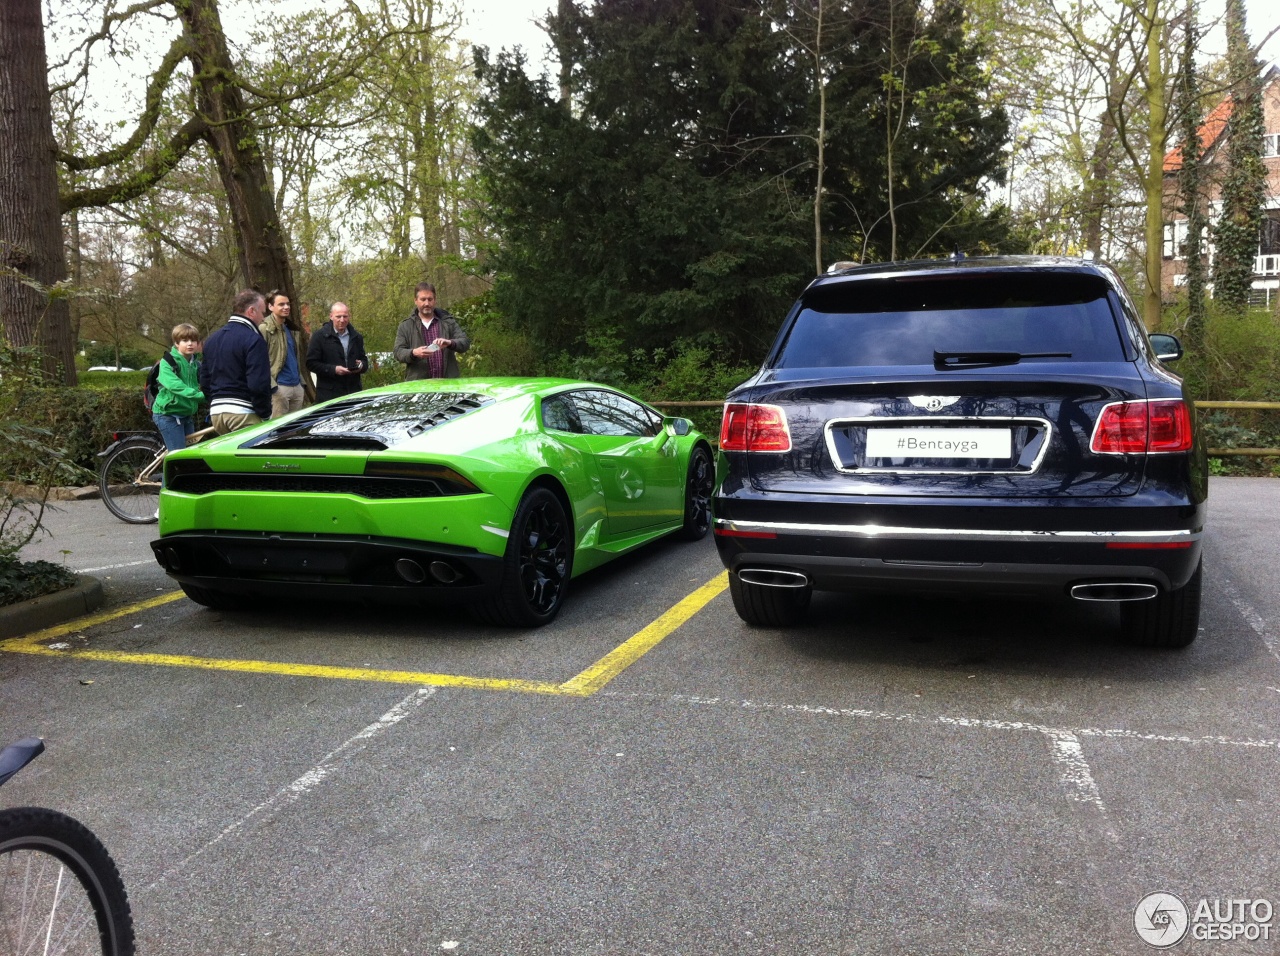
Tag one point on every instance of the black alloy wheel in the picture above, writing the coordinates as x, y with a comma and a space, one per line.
537, 564
697, 495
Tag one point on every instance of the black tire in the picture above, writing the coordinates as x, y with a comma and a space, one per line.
38, 903
125, 495
762, 606
537, 565
1171, 619
697, 495
214, 600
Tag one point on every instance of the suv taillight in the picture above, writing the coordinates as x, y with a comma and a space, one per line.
1137, 428
754, 428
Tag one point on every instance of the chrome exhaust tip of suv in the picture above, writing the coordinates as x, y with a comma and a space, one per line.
1114, 591
771, 578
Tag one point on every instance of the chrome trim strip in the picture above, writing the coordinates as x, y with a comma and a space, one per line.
896, 420
954, 534
498, 531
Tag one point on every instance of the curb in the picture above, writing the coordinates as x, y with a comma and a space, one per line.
47, 610
56, 493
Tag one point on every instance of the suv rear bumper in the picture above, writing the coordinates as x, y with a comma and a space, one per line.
978, 555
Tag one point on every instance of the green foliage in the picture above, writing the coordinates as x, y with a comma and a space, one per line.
672, 200
78, 423
1245, 176
117, 380
104, 354
32, 459
380, 295
22, 580
1240, 359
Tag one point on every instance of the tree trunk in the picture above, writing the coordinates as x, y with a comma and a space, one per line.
1153, 184
233, 141
1099, 187
32, 259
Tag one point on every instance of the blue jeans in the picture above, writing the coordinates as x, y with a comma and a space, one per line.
174, 429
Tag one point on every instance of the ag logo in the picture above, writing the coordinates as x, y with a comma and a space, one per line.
931, 403
1161, 920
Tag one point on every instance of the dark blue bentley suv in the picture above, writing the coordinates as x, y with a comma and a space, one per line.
998, 425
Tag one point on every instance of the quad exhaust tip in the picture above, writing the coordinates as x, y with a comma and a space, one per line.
414, 573
772, 578
1114, 591
411, 571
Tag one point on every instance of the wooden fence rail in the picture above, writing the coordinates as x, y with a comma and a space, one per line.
1215, 452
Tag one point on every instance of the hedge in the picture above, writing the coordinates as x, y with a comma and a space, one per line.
82, 419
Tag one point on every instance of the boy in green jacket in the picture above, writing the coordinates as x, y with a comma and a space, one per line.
179, 397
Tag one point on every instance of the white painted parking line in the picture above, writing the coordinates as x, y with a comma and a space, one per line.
1253, 619
1076, 776
1065, 748
294, 792
942, 720
112, 567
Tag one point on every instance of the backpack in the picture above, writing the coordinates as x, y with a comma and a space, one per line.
153, 380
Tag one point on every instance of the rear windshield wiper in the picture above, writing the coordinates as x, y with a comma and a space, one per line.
942, 360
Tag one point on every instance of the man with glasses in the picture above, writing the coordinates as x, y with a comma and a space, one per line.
236, 373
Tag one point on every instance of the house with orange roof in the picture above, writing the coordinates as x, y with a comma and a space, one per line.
1266, 272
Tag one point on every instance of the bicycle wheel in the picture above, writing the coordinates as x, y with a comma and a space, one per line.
128, 495
60, 892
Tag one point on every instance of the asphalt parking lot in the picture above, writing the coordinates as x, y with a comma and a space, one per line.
648, 775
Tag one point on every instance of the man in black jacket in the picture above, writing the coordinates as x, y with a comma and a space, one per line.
236, 372
336, 355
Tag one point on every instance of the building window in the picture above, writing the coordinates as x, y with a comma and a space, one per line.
1271, 144
1175, 240
1269, 240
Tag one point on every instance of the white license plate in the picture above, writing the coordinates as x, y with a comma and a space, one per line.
939, 443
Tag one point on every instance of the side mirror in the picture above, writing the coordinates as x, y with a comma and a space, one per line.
1167, 347
678, 426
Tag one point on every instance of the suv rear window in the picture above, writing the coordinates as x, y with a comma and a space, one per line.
904, 320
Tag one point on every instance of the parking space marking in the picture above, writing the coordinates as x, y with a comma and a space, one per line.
585, 684
984, 723
295, 791
113, 567
1065, 748
624, 655
1077, 778
1252, 618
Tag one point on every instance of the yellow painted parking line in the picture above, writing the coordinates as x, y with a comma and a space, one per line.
583, 685
626, 654
27, 644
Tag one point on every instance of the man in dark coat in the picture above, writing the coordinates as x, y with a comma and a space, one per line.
430, 340
235, 375
336, 355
